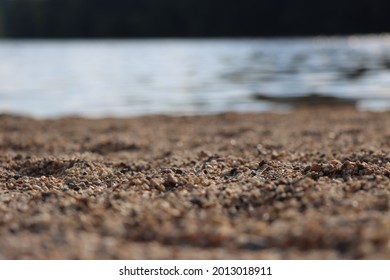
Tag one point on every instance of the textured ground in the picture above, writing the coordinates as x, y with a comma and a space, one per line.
303, 185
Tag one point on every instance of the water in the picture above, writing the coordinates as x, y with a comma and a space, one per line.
137, 77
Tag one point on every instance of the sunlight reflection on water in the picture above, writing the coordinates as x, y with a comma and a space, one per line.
138, 77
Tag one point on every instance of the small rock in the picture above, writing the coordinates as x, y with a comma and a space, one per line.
316, 167
335, 162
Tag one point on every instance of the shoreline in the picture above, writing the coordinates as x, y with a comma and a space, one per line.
307, 184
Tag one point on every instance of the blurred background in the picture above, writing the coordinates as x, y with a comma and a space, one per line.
121, 58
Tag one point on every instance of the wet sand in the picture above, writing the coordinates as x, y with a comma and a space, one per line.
311, 184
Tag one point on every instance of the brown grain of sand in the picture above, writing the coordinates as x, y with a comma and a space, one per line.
311, 184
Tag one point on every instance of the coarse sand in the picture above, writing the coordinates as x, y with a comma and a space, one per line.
310, 184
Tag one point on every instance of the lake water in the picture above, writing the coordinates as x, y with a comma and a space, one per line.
137, 77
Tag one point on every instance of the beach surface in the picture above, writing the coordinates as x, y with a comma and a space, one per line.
309, 184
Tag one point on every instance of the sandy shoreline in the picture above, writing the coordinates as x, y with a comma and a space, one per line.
311, 184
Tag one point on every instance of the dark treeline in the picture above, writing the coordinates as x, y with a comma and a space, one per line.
190, 18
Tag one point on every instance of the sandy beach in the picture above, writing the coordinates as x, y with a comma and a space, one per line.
309, 184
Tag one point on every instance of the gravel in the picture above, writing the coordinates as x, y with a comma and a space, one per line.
310, 184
